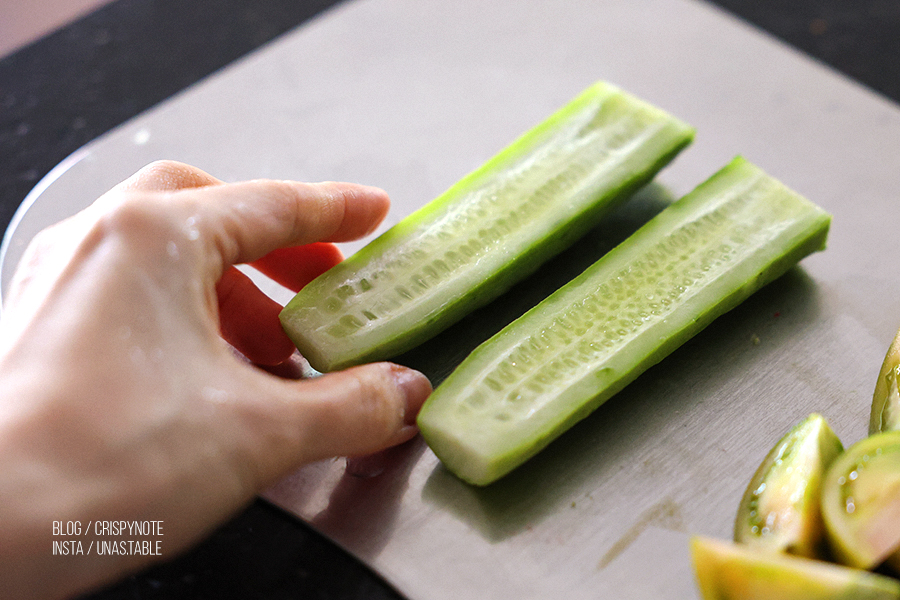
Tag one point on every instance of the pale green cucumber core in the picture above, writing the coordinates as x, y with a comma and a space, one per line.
491, 229
695, 260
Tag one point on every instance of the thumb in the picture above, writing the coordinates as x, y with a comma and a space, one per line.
354, 412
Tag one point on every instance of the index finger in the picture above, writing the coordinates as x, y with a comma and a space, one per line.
248, 220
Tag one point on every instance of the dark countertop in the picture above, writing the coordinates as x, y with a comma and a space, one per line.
79, 82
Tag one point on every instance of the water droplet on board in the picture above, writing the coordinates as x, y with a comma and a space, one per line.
172, 250
141, 137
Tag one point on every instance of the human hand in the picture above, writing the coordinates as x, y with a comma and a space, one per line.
119, 399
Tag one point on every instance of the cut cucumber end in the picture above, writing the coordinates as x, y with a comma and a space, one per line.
488, 231
694, 261
475, 467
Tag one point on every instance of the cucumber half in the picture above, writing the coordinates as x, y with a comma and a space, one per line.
545, 371
488, 231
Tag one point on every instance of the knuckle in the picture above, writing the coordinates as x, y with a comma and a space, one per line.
164, 167
132, 215
145, 225
167, 175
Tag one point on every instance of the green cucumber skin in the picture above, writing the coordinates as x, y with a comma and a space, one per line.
480, 451
307, 326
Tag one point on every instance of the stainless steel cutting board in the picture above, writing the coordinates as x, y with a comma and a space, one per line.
412, 94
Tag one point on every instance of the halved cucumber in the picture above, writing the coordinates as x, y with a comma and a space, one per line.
727, 571
697, 259
780, 508
488, 231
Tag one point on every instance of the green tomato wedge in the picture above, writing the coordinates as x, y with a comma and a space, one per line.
697, 259
729, 571
780, 508
885, 414
861, 502
488, 231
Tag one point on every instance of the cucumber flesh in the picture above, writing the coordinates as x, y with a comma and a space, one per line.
861, 502
488, 231
545, 371
780, 508
727, 571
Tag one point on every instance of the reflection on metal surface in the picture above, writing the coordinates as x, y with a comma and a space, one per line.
19, 234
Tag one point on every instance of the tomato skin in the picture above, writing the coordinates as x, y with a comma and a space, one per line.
249, 318
296, 266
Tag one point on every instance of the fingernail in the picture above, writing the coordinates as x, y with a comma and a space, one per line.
415, 387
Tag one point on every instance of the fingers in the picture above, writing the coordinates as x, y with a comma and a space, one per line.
248, 220
277, 224
249, 320
296, 266
347, 413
